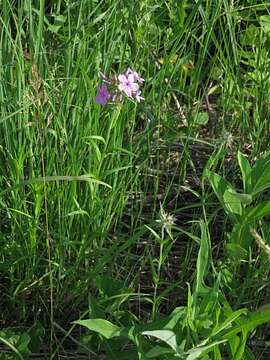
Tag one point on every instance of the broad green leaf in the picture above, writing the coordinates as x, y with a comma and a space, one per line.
197, 352
260, 174
246, 172
245, 199
167, 336
241, 233
177, 314
256, 212
157, 351
201, 118
262, 183
223, 190
165, 323
103, 327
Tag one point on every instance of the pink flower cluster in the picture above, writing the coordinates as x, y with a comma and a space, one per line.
126, 84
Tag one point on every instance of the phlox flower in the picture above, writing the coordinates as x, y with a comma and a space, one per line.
127, 84
103, 95
116, 87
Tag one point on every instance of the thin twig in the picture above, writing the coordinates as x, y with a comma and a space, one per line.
262, 245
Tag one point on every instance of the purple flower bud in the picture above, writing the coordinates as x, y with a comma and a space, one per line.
103, 95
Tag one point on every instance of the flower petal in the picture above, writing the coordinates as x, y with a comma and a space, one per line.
131, 78
100, 100
122, 78
134, 87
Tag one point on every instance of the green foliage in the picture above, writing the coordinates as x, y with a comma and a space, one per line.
100, 208
22, 343
241, 207
207, 326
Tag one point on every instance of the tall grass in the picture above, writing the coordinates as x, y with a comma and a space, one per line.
79, 182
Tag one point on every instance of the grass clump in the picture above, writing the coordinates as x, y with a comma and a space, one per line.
107, 212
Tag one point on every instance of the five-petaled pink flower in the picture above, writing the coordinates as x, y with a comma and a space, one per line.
128, 85
115, 87
103, 95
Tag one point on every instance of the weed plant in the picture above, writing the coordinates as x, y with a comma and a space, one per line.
145, 222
